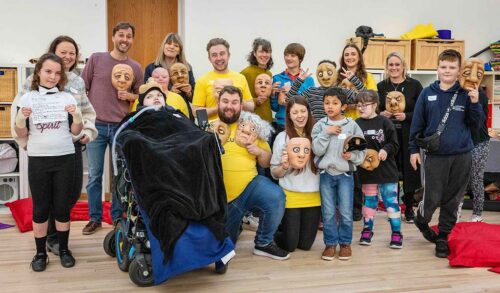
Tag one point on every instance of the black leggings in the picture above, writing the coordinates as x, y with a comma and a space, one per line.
77, 188
51, 183
299, 227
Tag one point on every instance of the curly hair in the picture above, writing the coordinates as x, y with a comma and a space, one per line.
263, 128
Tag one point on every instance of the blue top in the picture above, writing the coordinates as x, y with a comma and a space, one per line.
280, 109
429, 110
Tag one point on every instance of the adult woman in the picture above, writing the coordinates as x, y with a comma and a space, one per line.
352, 75
301, 187
67, 49
172, 51
261, 61
396, 80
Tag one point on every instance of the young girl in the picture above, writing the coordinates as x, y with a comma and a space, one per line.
51, 155
380, 136
336, 181
302, 210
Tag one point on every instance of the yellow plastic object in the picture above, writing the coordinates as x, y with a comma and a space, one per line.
420, 31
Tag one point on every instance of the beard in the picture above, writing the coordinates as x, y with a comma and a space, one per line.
229, 119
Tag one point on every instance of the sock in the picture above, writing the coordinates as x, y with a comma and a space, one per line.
40, 245
63, 240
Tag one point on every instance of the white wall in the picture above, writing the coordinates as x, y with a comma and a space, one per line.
323, 25
28, 26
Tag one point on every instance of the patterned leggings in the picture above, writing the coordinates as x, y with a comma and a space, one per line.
389, 193
479, 159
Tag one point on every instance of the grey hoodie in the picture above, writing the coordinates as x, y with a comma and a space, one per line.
328, 148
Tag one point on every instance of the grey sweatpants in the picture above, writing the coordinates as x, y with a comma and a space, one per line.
446, 179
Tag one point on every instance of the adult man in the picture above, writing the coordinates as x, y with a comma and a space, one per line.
245, 189
111, 105
203, 98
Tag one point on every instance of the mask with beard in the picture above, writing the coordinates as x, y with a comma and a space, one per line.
471, 73
122, 77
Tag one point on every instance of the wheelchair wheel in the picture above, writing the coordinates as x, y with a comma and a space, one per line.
109, 243
220, 267
122, 247
140, 272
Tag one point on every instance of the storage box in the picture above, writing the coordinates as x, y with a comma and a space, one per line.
8, 84
377, 50
5, 121
425, 52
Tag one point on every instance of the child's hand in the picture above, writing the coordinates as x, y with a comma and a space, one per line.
473, 94
70, 109
346, 156
334, 129
282, 97
26, 111
382, 155
304, 74
276, 87
284, 161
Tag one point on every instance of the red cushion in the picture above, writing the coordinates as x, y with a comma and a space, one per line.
22, 211
474, 245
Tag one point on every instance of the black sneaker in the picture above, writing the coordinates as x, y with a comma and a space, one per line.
40, 262
409, 215
427, 232
67, 259
442, 250
53, 245
271, 250
366, 237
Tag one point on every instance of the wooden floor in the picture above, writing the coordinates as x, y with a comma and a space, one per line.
372, 269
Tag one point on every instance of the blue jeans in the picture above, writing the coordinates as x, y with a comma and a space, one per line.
267, 199
337, 192
95, 155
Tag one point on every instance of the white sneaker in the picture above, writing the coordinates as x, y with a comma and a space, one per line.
476, 218
250, 222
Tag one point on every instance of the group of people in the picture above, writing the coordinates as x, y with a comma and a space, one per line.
325, 155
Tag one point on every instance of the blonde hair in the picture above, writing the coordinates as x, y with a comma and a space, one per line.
403, 62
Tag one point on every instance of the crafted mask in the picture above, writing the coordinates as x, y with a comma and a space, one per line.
371, 160
246, 133
354, 143
346, 84
395, 102
122, 77
221, 129
179, 74
299, 152
326, 74
219, 84
472, 73
263, 85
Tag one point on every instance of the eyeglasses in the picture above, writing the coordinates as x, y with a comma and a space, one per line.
363, 106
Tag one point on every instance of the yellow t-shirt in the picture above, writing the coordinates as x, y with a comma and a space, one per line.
370, 84
173, 100
204, 91
238, 165
296, 199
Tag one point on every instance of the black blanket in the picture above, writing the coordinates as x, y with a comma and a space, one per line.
176, 172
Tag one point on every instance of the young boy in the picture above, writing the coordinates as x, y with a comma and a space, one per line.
336, 179
447, 169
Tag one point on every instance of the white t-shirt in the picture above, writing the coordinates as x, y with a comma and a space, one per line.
49, 138
305, 181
